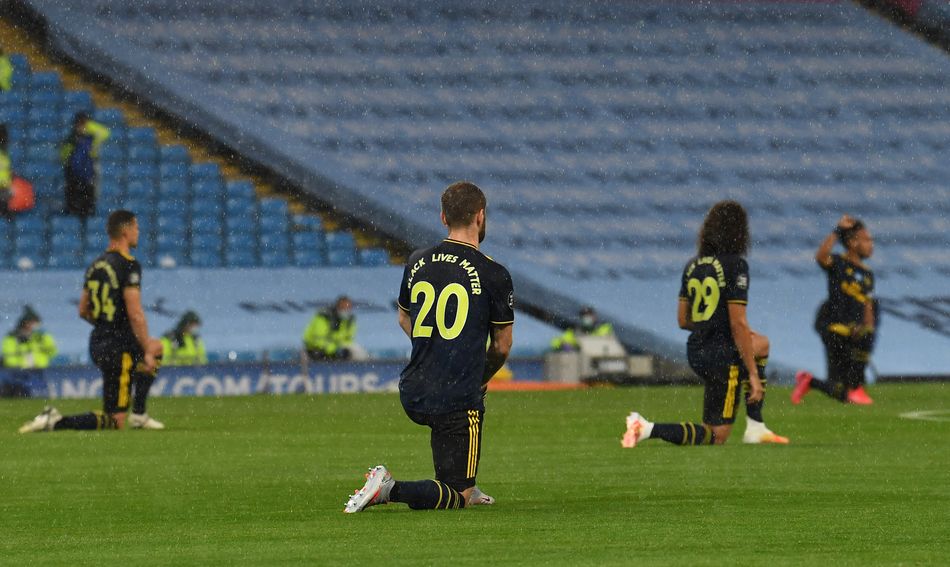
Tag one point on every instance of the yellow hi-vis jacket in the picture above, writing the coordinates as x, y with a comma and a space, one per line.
320, 335
191, 352
568, 340
35, 352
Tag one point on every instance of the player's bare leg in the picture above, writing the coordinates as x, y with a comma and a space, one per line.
756, 430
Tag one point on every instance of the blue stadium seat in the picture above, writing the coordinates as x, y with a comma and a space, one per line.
13, 116
205, 171
241, 223
340, 240
111, 117
206, 259
272, 224
48, 153
142, 153
171, 224
207, 189
46, 81
273, 242
340, 257
30, 223
201, 206
142, 172
174, 153
236, 241
240, 258
46, 99
77, 101
308, 258
142, 136
240, 206
308, 223
70, 226
112, 153
274, 258
174, 171
373, 257
174, 191
273, 207
307, 240
207, 225
206, 241
31, 245
43, 116
141, 188
241, 189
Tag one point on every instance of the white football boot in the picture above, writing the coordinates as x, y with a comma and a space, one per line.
143, 421
638, 429
45, 421
757, 433
375, 491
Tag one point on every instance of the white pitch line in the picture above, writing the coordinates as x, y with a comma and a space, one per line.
927, 415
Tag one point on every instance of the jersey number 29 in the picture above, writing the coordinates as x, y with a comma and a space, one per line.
427, 291
705, 293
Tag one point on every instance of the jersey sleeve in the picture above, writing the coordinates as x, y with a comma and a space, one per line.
403, 298
502, 297
133, 277
737, 283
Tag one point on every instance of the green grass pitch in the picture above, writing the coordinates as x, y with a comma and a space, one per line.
262, 480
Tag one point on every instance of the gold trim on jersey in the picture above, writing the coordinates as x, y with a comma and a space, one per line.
502, 322
738, 301
453, 241
128, 257
401, 307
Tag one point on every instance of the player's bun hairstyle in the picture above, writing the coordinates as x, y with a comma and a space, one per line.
845, 235
725, 230
461, 201
118, 220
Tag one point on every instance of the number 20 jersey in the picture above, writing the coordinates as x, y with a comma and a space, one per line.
105, 283
453, 294
709, 285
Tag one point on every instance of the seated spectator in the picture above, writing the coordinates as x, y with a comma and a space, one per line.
588, 327
28, 346
182, 346
6, 72
330, 334
79, 153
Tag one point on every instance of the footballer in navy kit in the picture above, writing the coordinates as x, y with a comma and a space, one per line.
119, 344
453, 299
722, 349
847, 321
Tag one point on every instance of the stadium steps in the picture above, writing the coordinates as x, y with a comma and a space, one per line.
16, 39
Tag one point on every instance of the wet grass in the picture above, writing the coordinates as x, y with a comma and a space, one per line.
262, 480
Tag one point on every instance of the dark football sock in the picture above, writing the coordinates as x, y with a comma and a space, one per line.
142, 382
86, 421
426, 495
683, 433
836, 390
754, 409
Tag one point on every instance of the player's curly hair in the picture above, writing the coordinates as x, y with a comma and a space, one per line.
725, 230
